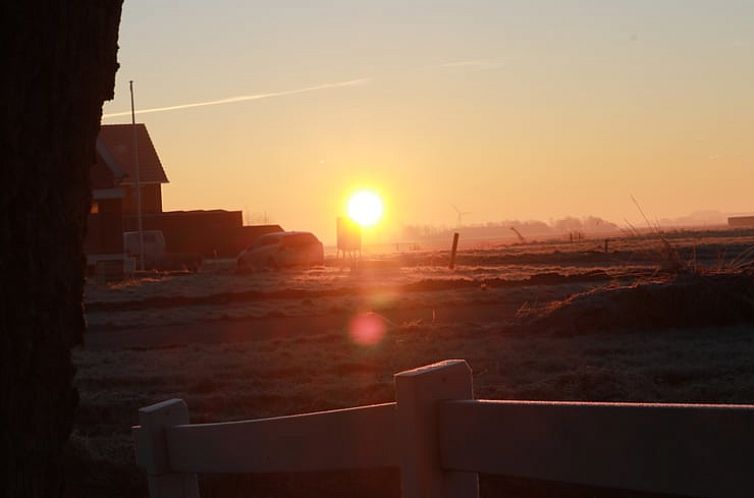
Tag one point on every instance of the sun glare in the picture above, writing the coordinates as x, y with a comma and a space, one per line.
365, 208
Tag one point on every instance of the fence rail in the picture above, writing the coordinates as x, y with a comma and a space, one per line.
354, 438
694, 450
441, 438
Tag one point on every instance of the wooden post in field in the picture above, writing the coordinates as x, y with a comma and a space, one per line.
417, 393
152, 450
453, 251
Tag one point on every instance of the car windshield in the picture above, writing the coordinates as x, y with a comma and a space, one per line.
265, 240
299, 239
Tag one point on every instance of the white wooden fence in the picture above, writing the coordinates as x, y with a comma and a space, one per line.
440, 438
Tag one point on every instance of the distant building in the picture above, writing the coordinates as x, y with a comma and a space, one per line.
209, 233
349, 237
741, 221
116, 163
113, 209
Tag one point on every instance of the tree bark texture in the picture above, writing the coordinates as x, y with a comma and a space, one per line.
58, 66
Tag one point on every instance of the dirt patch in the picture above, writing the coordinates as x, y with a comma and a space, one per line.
226, 298
681, 301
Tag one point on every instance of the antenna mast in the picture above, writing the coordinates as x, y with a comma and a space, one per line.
137, 179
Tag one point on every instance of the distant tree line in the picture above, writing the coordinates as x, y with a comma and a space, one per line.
505, 228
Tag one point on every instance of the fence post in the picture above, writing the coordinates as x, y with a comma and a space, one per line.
152, 450
417, 393
453, 251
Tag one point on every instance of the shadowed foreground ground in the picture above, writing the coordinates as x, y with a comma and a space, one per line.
268, 377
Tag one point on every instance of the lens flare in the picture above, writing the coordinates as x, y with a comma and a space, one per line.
367, 329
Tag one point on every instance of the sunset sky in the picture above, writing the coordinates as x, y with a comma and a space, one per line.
506, 109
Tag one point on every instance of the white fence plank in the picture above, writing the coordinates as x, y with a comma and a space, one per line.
693, 450
417, 393
440, 438
354, 438
152, 450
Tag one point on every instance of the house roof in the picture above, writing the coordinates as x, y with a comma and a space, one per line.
115, 145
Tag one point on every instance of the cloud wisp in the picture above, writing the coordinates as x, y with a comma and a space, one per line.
244, 98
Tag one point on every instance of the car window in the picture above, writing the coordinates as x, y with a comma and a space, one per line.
268, 241
264, 240
299, 239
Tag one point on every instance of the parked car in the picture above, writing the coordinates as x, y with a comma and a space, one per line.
279, 249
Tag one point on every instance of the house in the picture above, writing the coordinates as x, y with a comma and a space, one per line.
113, 178
114, 205
115, 146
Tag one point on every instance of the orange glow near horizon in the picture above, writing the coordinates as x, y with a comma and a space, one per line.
542, 113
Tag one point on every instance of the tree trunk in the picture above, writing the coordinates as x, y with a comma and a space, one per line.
59, 63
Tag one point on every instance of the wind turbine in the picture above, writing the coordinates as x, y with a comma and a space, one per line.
460, 214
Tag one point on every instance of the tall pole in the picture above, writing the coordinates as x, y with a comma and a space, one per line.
453, 251
137, 175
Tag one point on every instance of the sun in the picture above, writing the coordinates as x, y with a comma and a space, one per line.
365, 208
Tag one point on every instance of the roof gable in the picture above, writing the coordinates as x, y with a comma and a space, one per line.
115, 145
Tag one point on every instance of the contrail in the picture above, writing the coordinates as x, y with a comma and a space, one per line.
243, 98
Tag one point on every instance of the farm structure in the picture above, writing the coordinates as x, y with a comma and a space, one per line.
440, 438
207, 232
741, 221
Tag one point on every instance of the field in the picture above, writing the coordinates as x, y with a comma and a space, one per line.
647, 320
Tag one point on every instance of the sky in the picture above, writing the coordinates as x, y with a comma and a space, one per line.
504, 109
